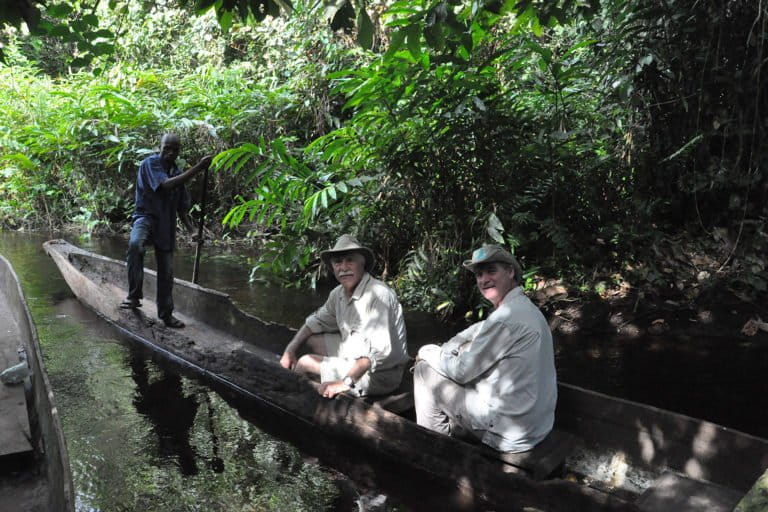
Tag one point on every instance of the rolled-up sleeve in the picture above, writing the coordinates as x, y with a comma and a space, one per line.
378, 330
370, 323
490, 342
432, 353
149, 177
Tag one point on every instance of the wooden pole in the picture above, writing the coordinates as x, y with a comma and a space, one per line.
199, 247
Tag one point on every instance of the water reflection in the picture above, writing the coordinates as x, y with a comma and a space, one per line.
141, 434
169, 411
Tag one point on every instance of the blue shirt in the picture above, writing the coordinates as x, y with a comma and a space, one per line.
158, 205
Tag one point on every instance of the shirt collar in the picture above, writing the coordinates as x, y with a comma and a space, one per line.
512, 294
360, 288
157, 163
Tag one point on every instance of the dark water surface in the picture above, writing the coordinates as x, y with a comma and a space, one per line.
144, 434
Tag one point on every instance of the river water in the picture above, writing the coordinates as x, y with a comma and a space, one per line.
144, 434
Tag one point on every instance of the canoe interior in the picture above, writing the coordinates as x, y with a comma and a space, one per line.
41, 481
649, 439
623, 446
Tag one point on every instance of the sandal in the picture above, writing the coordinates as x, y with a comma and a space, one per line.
172, 321
130, 304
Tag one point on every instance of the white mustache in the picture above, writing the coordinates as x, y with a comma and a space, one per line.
345, 274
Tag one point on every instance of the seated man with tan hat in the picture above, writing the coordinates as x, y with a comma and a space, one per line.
356, 340
494, 382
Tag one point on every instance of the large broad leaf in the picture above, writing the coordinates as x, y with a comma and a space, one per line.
225, 20
396, 41
364, 29
107, 34
59, 31
103, 49
495, 223
59, 10
91, 19
413, 40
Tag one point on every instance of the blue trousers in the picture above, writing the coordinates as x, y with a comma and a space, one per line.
141, 235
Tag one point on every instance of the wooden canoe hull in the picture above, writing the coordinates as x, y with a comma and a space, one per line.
241, 351
49, 478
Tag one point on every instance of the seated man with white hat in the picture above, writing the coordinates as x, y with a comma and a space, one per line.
495, 381
356, 340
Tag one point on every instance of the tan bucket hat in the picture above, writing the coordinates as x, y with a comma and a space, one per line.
493, 253
348, 243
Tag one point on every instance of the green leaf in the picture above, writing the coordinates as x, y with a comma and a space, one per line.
395, 43
59, 31
21, 160
364, 29
79, 62
103, 49
495, 235
435, 36
79, 26
581, 44
413, 37
91, 19
536, 27
107, 34
495, 223
225, 20
59, 10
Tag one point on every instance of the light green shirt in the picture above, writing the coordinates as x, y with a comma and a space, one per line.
370, 323
506, 364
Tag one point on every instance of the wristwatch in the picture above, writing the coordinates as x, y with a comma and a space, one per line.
348, 381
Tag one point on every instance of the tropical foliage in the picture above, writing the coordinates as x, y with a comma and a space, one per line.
593, 138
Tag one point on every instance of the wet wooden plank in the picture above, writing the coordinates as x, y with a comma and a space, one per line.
545, 458
672, 492
14, 420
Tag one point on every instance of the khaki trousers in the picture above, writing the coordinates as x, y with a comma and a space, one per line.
439, 404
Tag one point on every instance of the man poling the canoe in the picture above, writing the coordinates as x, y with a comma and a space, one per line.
356, 341
160, 195
495, 381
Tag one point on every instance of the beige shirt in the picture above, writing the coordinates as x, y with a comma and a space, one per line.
370, 323
506, 364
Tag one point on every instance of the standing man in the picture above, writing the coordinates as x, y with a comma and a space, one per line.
356, 340
495, 381
160, 194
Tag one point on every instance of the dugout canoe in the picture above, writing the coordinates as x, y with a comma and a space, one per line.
605, 453
34, 468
